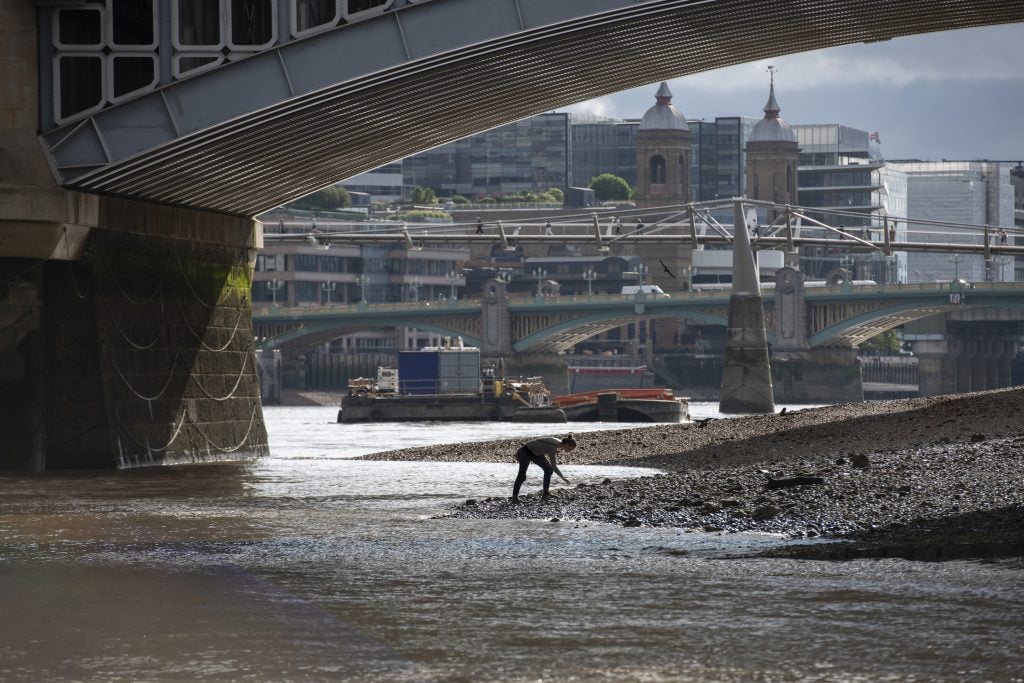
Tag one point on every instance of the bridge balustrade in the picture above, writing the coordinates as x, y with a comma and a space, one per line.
830, 314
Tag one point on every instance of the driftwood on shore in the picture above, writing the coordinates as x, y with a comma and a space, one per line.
793, 481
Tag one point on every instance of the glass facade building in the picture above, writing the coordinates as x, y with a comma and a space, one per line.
717, 162
560, 150
601, 145
731, 133
532, 154
843, 176
839, 170
703, 168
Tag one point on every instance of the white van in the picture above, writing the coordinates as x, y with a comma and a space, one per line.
653, 291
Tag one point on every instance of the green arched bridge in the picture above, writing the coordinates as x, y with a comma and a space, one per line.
842, 316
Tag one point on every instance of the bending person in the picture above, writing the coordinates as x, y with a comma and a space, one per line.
542, 452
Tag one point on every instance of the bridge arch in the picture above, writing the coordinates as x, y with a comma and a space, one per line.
596, 323
860, 328
193, 142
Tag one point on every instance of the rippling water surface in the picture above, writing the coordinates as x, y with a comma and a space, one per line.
309, 566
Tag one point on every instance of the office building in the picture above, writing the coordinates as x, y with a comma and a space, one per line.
1017, 180
838, 173
532, 155
717, 153
602, 145
975, 193
303, 275
383, 184
291, 274
845, 183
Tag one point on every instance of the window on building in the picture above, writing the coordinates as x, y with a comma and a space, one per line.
307, 292
656, 170
270, 263
331, 264
270, 290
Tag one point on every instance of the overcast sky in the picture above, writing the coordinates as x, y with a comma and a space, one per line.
950, 95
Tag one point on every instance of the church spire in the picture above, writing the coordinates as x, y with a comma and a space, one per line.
771, 109
664, 95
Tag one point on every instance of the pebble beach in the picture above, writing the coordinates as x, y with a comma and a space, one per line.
927, 479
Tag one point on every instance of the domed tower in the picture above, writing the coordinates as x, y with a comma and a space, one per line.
663, 150
772, 155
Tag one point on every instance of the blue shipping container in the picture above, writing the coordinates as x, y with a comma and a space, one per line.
418, 372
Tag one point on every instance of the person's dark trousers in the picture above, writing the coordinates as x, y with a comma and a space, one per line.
525, 456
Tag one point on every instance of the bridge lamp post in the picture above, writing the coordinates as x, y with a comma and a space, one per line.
452, 278
415, 285
1003, 262
955, 259
641, 273
687, 273
274, 286
590, 275
540, 274
328, 288
362, 281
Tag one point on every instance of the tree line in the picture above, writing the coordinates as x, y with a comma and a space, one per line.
606, 187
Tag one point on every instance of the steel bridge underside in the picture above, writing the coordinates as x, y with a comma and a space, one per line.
254, 134
854, 319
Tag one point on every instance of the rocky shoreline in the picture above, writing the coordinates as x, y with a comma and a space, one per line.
930, 479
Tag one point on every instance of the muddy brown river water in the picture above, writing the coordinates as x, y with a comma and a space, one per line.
308, 566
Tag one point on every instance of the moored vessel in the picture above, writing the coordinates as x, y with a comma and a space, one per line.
447, 384
654, 404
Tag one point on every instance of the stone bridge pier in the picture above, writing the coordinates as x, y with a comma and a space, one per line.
966, 357
800, 373
496, 339
125, 336
125, 327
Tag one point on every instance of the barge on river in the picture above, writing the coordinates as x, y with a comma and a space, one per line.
652, 404
451, 384
447, 384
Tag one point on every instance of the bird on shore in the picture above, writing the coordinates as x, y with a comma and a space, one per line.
703, 423
782, 412
665, 268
